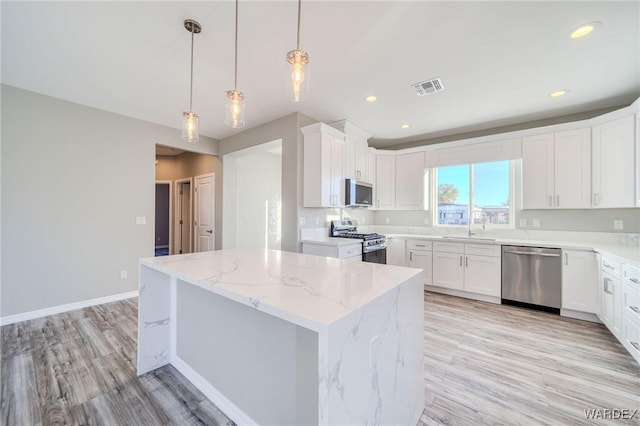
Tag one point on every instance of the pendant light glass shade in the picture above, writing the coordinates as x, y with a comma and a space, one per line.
190, 119
298, 60
190, 126
234, 116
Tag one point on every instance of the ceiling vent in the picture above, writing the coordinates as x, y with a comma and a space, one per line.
428, 87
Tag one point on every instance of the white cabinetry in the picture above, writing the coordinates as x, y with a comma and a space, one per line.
419, 256
579, 282
349, 251
410, 181
323, 166
399, 181
385, 182
630, 305
356, 151
473, 268
396, 251
611, 297
556, 170
614, 163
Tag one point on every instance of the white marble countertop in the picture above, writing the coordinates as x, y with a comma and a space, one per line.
332, 241
625, 252
310, 291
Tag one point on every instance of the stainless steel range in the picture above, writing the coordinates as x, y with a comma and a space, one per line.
374, 246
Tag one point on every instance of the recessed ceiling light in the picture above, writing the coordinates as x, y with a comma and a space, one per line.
559, 93
584, 29
405, 126
370, 98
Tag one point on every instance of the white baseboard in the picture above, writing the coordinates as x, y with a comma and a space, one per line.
464, 294
11, 319
230, 409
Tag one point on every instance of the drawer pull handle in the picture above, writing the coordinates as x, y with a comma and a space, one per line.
419, 245
608, 266
635, 345
635, 309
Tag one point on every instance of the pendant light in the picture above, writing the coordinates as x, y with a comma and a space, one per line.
298, 59
190, 119
234, 116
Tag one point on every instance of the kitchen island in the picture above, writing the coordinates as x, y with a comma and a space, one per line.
282, 338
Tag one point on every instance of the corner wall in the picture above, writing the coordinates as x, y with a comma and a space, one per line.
73, 181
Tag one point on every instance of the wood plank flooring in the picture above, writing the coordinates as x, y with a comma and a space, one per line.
484, 364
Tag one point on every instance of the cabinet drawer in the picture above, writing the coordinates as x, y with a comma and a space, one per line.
448, 247
631, 274
483, 249
611, 266
350, 250
631, 302
631, 337
419, 245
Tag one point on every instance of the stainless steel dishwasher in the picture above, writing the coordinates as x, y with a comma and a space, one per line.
532, 277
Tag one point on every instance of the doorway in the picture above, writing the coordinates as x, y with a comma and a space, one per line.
163, 219
183, 236
204, 208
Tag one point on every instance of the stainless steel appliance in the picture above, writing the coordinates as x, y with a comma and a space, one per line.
358, 193
374, 246
532, 277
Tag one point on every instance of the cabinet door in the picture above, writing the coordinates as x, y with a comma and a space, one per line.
611, 301
579, 281
410, 181
336, 174
396, 251
385, 182
572, 169
350, 158
422, 260
482, 274
613, 164
537, 172
371, 168
361, 159
448, 270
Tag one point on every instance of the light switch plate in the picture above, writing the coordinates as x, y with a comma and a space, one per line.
141, 220
536, 223
123, 275
302, 220
523, 223
618, 224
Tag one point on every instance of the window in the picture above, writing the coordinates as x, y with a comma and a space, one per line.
474, 193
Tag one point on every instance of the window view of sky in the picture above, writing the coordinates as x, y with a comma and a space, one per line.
491, 182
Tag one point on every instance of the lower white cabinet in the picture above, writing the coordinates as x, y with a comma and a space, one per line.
579, 281
396, 251
611, 312
473, 268
419, 256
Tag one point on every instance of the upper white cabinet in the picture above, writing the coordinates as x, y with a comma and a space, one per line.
356, 158
580, 281
323, 166
400, 181
556, 170
385, 187
410, 181
614, 164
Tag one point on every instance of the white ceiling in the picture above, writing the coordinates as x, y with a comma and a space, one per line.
498, 60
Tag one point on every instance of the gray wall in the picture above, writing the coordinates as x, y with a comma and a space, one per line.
288, 130
73, 180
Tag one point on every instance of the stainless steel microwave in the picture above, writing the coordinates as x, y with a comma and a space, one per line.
358, 193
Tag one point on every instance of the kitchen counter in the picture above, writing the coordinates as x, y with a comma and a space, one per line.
624, 252
319, 340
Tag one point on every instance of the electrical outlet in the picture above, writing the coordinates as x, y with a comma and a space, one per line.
363, 221
426, 220
317, 221
387, 220
523, 223
302, 220
141, 220
618, 224
536, 223
123, 275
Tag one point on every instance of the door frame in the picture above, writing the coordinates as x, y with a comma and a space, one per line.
176, 183
196, 200
170, 183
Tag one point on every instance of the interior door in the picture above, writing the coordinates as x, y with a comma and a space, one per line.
204, 212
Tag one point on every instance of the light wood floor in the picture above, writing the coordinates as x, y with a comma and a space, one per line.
484, 364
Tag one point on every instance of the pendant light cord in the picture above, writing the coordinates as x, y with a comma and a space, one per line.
298, 40
235, 72
191, 82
